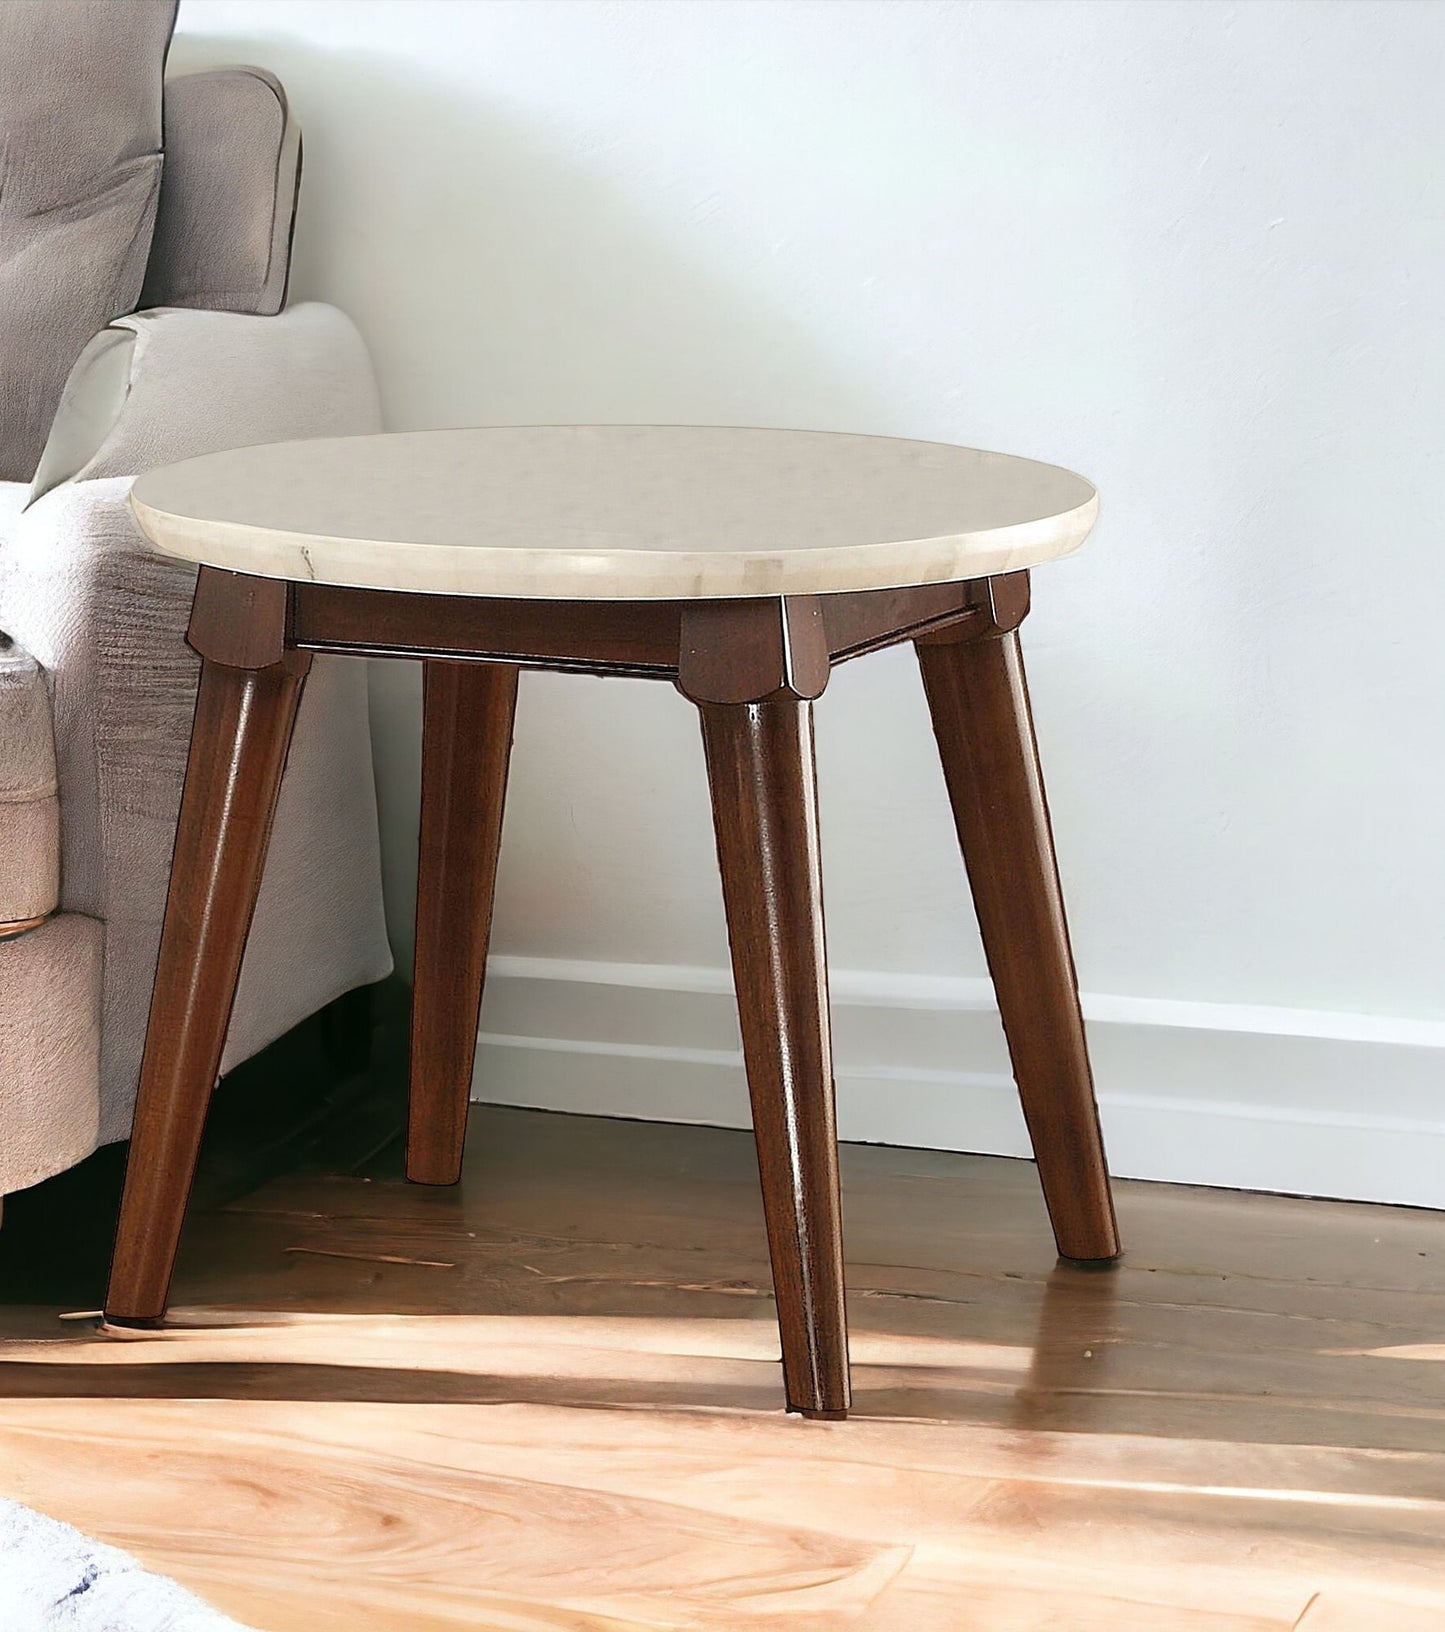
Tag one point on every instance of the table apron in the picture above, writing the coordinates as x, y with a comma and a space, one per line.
630, 638
638, 638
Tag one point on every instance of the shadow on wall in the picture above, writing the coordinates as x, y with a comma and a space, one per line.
499, 278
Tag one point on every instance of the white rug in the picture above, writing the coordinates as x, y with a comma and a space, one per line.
54, 1579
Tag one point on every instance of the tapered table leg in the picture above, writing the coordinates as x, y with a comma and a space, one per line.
979, 700
243, 724
760, 769
466, 747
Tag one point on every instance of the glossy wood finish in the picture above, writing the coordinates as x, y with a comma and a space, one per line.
978, 697
752, 666
242, 730
239, 620
595, 637
467, 718
640, 638
877, 618
765, 814
1238, 1429
749, 651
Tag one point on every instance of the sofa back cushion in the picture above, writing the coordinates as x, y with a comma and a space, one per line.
80, 167
228, 197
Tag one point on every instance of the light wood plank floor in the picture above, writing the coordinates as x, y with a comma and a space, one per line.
549, 1399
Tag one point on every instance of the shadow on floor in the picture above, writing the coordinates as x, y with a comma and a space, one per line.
328, 1096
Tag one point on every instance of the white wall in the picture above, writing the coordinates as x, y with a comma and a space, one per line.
1194, 250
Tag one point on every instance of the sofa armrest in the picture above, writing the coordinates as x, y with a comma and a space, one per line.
103, 614
105, 617
169, 384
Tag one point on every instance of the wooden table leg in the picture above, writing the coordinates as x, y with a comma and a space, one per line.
765, 812
760, 769
242, 730
466, 747
979, 700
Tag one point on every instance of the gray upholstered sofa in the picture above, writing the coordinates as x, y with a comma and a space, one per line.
96, 683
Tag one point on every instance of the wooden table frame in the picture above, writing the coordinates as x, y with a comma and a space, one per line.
753, 668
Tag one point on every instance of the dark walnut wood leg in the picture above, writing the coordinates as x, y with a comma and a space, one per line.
245, 711
973, 675
760, 770
466, 747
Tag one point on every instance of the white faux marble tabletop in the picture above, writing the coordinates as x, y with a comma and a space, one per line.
615, 512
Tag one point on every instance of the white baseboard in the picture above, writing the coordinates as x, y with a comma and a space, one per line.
1243, 1097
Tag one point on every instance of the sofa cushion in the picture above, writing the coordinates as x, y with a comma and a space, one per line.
50, 986
29, 808
80, 165
228, 198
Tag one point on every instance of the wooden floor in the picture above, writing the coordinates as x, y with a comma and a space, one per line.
550, 1399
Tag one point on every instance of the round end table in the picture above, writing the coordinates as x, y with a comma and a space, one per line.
738, 564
